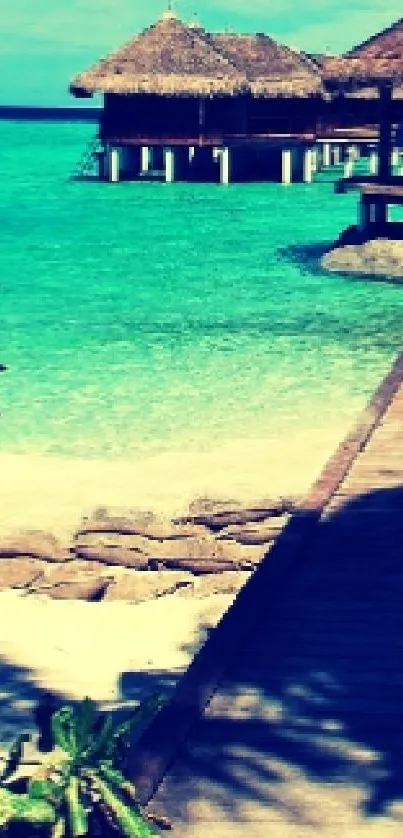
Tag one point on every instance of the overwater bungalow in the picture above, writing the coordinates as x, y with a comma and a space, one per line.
183, 104
374, 68
354, 108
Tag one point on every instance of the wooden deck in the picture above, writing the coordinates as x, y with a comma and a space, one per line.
290, 721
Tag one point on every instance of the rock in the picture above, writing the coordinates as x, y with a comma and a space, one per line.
374, 257
217, 514
91, 590
113, 549
71, 572
262, 532
19, 573
143, 553
204, 566
136, 522
36, 544
229, 582
137, 587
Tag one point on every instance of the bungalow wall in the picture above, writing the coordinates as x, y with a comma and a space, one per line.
145, 117
354, 113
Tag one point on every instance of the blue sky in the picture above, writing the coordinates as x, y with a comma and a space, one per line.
43, 43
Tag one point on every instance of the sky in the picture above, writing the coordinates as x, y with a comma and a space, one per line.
45, 43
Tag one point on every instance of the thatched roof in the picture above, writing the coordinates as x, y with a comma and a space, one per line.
359, 72
169, 59
387, 44
172, 59
271, 69
377, 61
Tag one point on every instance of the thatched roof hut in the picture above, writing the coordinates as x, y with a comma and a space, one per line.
172, 59
167, 59
272, 70
376, 61
387, 44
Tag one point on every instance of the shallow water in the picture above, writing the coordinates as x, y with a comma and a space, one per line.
139, 319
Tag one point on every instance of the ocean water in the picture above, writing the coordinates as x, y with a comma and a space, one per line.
140, 319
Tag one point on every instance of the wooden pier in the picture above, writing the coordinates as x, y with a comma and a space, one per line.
289, 722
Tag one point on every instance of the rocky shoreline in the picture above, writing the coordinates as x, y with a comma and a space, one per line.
135, 555
380, 255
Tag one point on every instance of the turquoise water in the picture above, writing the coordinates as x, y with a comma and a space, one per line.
145, 318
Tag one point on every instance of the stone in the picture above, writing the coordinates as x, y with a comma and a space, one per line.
229, 582
217, 514
262, 532
71, 572
143, 553
375, 257
19, 573
88, 589
36, 544
135, 522
113, 549
203, 566
137, 587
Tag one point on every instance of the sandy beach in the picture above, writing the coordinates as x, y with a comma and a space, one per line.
53, 493
117, 652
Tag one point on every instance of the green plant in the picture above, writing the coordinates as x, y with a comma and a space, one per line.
79, 788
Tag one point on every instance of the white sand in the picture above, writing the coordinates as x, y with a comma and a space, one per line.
53, 493
79, 648
111, 651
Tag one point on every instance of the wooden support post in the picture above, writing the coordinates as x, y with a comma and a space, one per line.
336, 155
364, 214
114, 165
327, 154
286, 166
373, 161
350, 159
145, 159
308, 165
385, 132
169, 165
380, 212
225, 166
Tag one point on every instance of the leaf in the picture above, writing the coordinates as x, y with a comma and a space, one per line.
46, 789
128, 818
77, 814
116, 779
63, 730
6, 807
59, 828
84, 718
34, 811
101, 742
14, 756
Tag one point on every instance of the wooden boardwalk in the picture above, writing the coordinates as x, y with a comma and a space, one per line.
304, 730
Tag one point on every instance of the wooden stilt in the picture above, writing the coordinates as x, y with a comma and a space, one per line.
364, 214
286, 166
327, 152
169, 165
225, 166
114, 165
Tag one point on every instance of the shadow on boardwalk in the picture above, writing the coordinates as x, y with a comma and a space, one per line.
310, 713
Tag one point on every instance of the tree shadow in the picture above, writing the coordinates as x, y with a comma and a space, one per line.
307, 721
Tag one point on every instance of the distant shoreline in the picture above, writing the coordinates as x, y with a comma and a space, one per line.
47, 114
